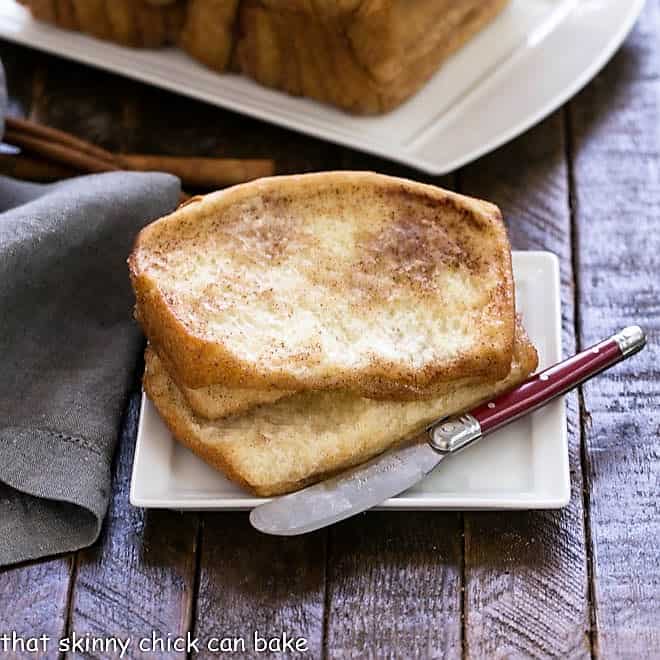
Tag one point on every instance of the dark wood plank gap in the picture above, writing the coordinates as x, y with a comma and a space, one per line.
75, 561
81, 100
326, 594
575, 264
617, 183
526, 576
23, 68
192, 619
463, 591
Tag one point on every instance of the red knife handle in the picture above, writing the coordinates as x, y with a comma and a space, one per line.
539, 389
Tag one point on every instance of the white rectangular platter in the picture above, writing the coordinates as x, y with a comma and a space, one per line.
530, 60
523, 466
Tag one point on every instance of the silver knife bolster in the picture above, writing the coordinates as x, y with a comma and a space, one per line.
452, 434
630, 340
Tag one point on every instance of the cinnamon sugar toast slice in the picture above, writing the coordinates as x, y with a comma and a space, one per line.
339, 280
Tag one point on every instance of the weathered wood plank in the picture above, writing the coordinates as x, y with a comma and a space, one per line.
526, 572
84, 101
22, 68
34, 597
34, 602
252, 583
180, 126
394, 586
616, 123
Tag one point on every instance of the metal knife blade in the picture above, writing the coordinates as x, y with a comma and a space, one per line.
8, 149
353, 491
388, 475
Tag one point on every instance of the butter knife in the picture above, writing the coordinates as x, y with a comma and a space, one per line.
385, 476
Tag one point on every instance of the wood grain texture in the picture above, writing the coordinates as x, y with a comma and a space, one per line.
23, 68
176, 125
250, 582
33, 602
139, 578
526, 572
34, 598
616, 156
394, 586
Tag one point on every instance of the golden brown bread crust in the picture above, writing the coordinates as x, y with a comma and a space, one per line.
365, 56
135, 23
430, 234
281, 447
208, 32
218, 400
160, 388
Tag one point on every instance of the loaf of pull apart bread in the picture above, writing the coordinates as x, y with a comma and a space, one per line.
299, 325
365, 56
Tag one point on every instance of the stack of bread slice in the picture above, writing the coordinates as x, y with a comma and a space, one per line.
300, 325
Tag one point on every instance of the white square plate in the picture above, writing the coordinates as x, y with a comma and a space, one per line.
531, 59
523, 466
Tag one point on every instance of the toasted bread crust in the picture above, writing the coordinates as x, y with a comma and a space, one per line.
430, 232
135, 23
218, 401
365, 56
300, 453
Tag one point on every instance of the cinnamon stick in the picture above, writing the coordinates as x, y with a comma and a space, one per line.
202, 172
17, 126
60, 153
34, 169
73, 153
44, 171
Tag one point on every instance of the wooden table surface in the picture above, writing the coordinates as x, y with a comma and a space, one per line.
580, 582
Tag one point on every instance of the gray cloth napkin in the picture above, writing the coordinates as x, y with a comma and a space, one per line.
68, 349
